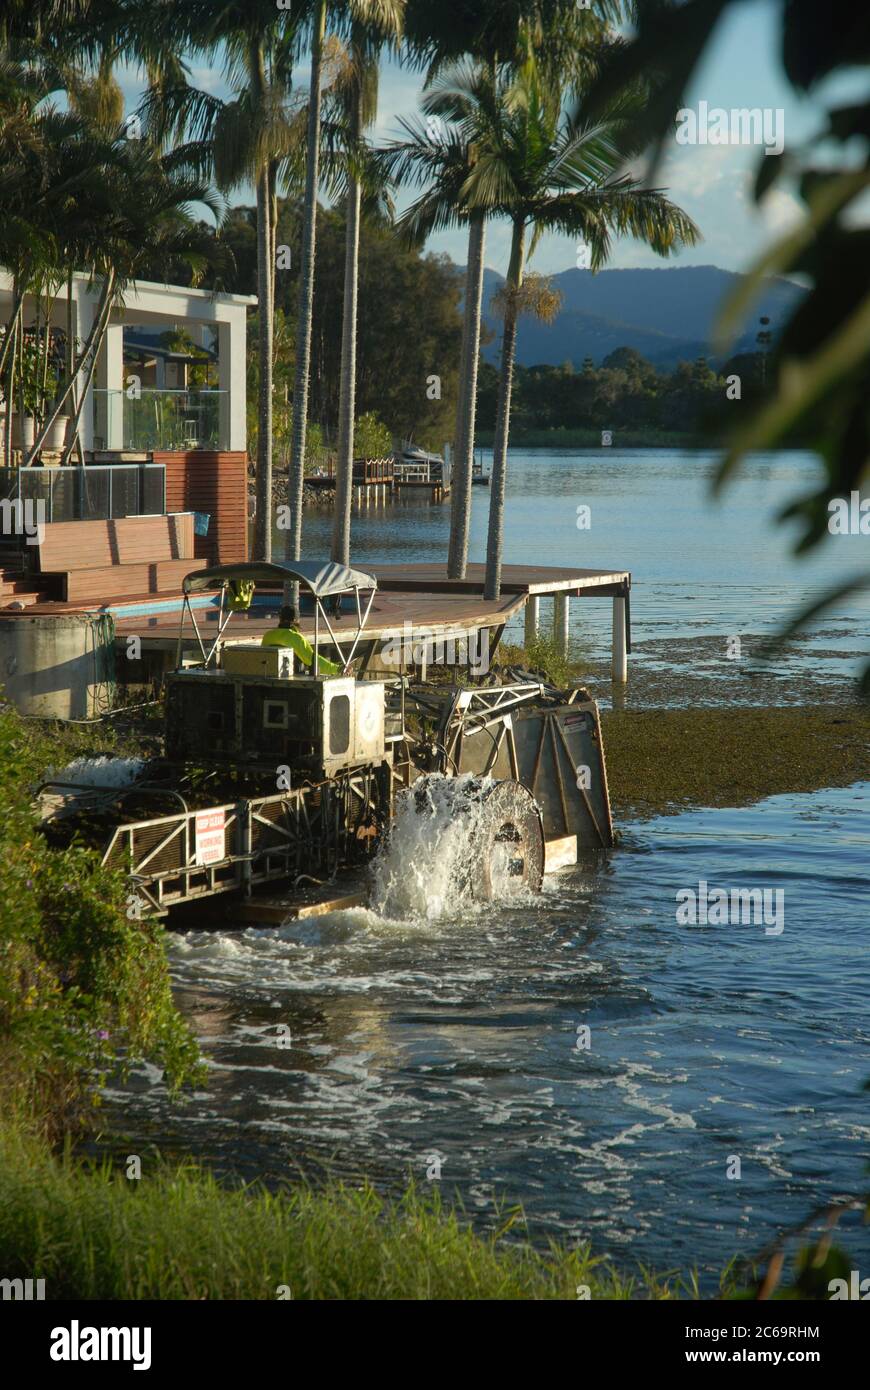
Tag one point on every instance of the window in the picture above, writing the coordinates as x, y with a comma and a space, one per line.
339, 724
274, 714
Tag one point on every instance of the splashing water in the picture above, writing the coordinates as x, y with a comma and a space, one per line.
100, 772
424, 868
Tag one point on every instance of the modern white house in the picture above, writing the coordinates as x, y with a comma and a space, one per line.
162, 432
120, 413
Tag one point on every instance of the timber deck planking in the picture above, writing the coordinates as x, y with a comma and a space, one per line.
419, 595
528, 580
440, 615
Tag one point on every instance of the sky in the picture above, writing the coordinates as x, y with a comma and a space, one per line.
712, 182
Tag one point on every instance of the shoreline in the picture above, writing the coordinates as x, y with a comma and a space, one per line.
230, 1243
664, 761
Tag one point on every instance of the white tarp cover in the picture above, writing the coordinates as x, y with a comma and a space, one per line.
322, 577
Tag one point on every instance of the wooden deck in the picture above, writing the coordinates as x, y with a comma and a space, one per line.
413, 601
438, 615
528, 580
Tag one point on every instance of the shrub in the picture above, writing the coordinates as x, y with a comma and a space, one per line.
82, 987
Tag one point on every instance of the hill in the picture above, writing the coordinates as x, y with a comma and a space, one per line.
666, 314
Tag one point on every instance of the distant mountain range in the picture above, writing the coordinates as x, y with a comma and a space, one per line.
667, 315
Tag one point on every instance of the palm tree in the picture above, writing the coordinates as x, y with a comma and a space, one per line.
492, 33
131, 208
380, 18
56, 167
244, 139
442, 159
357, 97
544, 165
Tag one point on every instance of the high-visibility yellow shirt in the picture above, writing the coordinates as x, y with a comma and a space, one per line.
291, 637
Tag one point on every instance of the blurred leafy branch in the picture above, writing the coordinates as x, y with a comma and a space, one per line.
821, 361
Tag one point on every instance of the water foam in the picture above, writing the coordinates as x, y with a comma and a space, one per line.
101, 772
424, 866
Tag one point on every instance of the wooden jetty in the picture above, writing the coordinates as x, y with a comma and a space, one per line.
131, 566
413, 602
531, 583
373, 480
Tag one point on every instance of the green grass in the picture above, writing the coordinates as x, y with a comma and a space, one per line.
542, 655
92, 1233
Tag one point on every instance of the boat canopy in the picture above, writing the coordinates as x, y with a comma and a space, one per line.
324, 578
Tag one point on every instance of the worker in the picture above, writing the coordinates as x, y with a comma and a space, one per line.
287, 634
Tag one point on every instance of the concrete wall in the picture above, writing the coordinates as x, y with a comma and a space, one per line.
55, 666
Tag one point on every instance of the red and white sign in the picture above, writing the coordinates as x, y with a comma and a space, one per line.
210, 837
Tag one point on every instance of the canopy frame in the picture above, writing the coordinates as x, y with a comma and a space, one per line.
329, 582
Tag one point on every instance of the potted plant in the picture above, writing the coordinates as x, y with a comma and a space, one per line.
36, 386
27, 394
54, 368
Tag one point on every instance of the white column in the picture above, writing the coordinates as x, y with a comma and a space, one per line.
560, 621
83, 318
110, 378
619, 655
533, 605
231, 380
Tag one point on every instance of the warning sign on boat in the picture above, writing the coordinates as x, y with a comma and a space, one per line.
210, 837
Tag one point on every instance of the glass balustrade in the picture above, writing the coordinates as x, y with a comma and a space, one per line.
160, 419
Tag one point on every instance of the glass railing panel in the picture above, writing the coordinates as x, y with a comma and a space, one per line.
156, 419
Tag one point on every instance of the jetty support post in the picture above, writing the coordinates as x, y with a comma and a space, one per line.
533, 605
560, 621
621, 641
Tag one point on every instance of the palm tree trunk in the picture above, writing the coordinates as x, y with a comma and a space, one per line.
347, 397
273, 214
11, 327
495, 534
9, 384
95, 341
69, 347
466, 410
263, 538
7, 366
296, 478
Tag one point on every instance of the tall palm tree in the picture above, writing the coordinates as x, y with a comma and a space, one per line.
545, 166
441, 157
133, 208
381, 17
243, 139
357, 95
487, 37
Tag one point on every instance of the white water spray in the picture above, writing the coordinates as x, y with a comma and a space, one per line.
101, 772
423, 868
454, 840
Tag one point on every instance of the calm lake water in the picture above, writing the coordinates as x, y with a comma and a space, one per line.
455, 1037
702, 569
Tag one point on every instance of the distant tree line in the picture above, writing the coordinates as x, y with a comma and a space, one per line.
626, 392
409, 324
